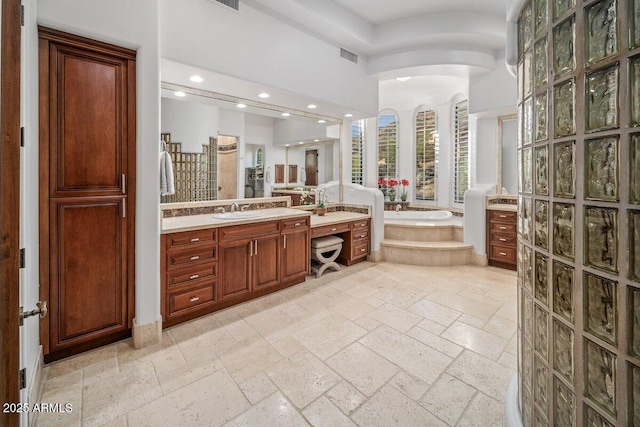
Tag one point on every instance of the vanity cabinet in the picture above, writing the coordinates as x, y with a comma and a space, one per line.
502, 238
356, 243
295, 250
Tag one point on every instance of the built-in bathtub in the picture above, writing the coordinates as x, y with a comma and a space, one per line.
416, 216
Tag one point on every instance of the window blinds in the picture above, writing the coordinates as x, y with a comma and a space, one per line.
426, 155
461, 151
357, 153
387, 145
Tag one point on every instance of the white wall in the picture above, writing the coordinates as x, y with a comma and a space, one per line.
189, 123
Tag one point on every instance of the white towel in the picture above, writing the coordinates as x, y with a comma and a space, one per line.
167, 184
303, 175
267, 175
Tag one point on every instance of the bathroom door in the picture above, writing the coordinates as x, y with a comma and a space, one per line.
311, 166
87, 193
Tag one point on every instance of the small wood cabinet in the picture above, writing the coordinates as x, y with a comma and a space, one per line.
356, 243
296, 250
502, 238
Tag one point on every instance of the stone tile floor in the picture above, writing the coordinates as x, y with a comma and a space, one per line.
372, 345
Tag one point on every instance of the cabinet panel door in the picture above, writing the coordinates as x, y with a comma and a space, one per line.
295, 255
266, 262
88, 270
235, 269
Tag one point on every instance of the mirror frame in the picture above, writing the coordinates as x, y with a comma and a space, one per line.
501, 120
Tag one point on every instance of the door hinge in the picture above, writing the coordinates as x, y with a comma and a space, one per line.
22, 15
22, 136
22, 261
23, 378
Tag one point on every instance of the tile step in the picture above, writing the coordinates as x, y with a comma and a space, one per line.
444, 254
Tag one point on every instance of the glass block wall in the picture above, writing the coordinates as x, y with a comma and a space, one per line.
579, 212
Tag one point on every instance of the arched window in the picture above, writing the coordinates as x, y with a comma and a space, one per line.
387, 145
461, 151
357, 153
426, 155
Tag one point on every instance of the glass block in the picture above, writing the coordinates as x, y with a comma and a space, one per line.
541, 337
594, 419
560, 7
564, 169
542, 170
634, 74
540, 15
564, 103
600, 376
538, 419
634, 321
541, 73
527, 364
520, 81
519, 161
527, 126
634, 395
634, 169
526, 25
541, 278
527, 219
563, 290
634, 23
542, 224
634, 245
601, 99
601, 307
528, 73
527, 408
527, 316
564, 404
541, 377
601, 31
520, 222
563, 350
563, 229
601, 169
527, 267
564, 60
540, 113
601, 238
527, 179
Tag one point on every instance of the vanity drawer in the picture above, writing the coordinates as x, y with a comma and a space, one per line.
359, 235
503, 253
189, 256
502, 216
193, 275
294, 224
207, 235
191, 298
360, 224
360, 249
327, 230
499, 227
504, 239
249, 231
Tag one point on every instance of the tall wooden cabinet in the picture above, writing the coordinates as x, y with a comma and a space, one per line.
87, 191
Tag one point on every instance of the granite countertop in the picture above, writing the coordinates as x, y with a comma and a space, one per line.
502, 207
290, 191
198, 222
336, 218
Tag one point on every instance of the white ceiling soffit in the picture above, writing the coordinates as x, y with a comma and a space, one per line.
467, 33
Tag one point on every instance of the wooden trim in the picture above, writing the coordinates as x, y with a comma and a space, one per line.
10, 209
70, 39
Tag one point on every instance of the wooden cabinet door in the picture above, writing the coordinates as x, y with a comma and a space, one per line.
87, 191
266, 262
235, 269
295, 255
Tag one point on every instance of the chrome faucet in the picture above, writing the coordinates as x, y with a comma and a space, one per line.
398, 207
244, 208
234, 206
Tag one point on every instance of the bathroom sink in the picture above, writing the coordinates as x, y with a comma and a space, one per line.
238, 215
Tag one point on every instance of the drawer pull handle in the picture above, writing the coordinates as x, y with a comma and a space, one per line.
502, 240
503, 228
362, 250
296, 224
193, 258
195, 239
503, 253
363, 235
195, 299
333, 229
503, 216
194, 276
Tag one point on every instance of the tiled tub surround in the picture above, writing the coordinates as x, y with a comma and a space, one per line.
170, 210
578, 98
372, 345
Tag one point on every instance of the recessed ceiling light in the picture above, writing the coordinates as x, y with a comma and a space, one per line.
285, 114
263, 95
179, 93
300, 142
286, 145
322, 121
348, 115
196, 79
312, 106
241, 105
316, 140
403, 79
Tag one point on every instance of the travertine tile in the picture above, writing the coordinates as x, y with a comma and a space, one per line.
276, 410
257, 387
400, 297
448, 398
236, 326
363, 368
247, 358
473, 321
62, 389
435, 312
475, 339
508, 360
184, 375
431, 326
486, 375
389, 407
482, 412
204, 347
501, 327
409, 385
324, 413
435, 342
352, 308
464, 304
81, 361
509, 310
346, 397
368, 323
164, 356
302, 378
330, 335
288, 346
395, 317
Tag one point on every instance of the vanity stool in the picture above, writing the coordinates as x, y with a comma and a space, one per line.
325, 250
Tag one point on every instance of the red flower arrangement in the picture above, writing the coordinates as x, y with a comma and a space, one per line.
392, 182
405, 184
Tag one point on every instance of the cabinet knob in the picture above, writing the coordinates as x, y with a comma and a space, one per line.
194, 276
195, 299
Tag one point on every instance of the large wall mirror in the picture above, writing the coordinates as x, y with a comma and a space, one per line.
228, 148
507, 155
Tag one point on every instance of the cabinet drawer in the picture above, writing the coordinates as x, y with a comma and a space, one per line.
359, 235
327, 230
193, 275
501, 227
360, 249
184, 300
294, 224
360, 224
503, 253
188, 255
207, 235
502, 216
503, 239
249, 231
